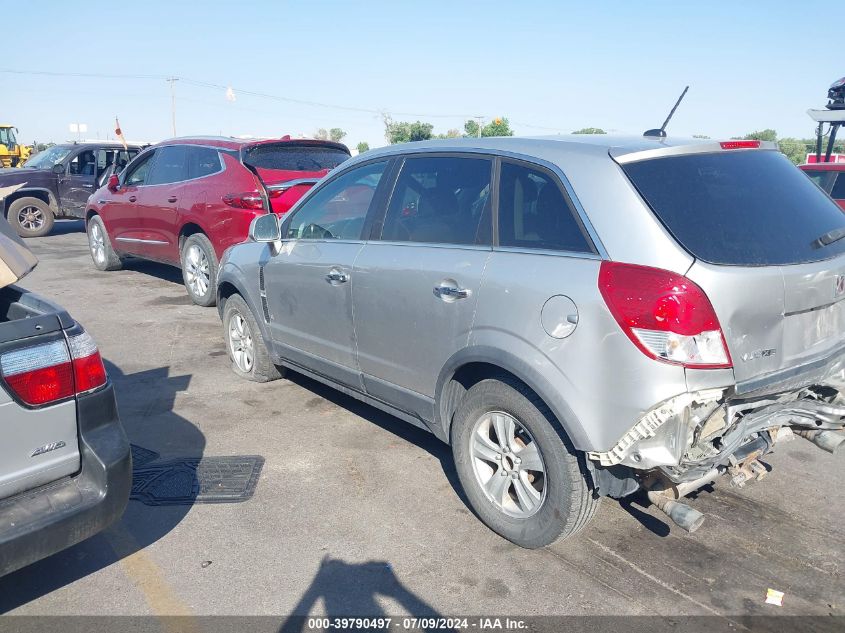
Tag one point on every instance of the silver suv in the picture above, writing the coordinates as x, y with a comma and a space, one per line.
578, 317
65, 462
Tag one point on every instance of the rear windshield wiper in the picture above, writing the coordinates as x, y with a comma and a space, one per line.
830, 237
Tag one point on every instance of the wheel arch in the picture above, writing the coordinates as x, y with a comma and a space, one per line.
471, 365
187, 230
40, 193
229, 284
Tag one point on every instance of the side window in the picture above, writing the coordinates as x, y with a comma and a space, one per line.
533, 212
441, 200
838, 191
138, 171
83, 164
822, 179
338, 210
170, 166
202, 161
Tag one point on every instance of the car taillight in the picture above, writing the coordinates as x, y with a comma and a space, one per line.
47, 373
249, 200
88, 370
666, 315
739, 144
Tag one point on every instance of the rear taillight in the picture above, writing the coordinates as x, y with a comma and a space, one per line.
88, 370
740, 144
46, 373
251, 200
664, 314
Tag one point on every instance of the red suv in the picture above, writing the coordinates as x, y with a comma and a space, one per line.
186, 200
830, 177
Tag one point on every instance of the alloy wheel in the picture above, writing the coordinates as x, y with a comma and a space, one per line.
97, 241
197, 271
508, 464
31, 218
240, 343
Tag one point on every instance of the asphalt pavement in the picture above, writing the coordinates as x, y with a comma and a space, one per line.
357, 512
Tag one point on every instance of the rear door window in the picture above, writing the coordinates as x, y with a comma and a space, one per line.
441, 200
746, 208
202, 161
293, 157
169, 166
533, 212
823, 179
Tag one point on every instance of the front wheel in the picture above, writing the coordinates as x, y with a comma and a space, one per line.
100, 245
199, 270
31, 217
521, 477
244, 343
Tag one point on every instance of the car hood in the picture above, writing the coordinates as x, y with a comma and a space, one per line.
16, 260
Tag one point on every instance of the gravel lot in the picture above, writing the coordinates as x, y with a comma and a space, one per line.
357, 512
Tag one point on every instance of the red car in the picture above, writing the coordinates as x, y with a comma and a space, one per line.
830, 177
186, 200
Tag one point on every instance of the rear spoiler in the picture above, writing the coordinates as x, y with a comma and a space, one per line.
622, 155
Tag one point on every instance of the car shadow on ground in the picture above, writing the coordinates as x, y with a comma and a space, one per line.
145, 400
399, 428
63, 227
351, 589
164, 272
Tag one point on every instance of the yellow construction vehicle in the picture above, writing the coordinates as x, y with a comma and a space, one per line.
12, 154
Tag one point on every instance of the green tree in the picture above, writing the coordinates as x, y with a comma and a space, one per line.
795, 149
762, 135
321, 134
405, 131
590, 130
336, 134
363, 146
499, 126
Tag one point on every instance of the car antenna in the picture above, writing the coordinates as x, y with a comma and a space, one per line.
661, 133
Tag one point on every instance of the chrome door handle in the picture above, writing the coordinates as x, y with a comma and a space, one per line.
448, 292
337, 276
88, 186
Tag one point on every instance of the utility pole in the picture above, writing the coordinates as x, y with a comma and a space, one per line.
480, 120
172, 81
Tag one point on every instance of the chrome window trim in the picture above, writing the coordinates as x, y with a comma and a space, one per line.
545, 251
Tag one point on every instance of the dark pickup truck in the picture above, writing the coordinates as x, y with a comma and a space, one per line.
57, 182
65, 461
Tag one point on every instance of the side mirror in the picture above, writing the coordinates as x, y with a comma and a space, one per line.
113, 183
265, 228
58, 169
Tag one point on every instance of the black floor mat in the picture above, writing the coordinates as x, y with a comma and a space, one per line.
192, 480
142, 456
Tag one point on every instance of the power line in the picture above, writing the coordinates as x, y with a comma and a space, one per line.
260, 95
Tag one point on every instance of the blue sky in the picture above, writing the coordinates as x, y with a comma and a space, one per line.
548, 66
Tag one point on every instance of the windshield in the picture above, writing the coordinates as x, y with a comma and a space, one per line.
745, 208
293, 157
6, 136
48, 158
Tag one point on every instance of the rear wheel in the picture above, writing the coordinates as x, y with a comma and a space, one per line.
100, 245
31, 217
199, 269
244, 343
522, 478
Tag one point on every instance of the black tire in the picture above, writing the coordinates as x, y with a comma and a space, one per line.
25, 211
206, 275
262, 368
99, 244
569, 502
